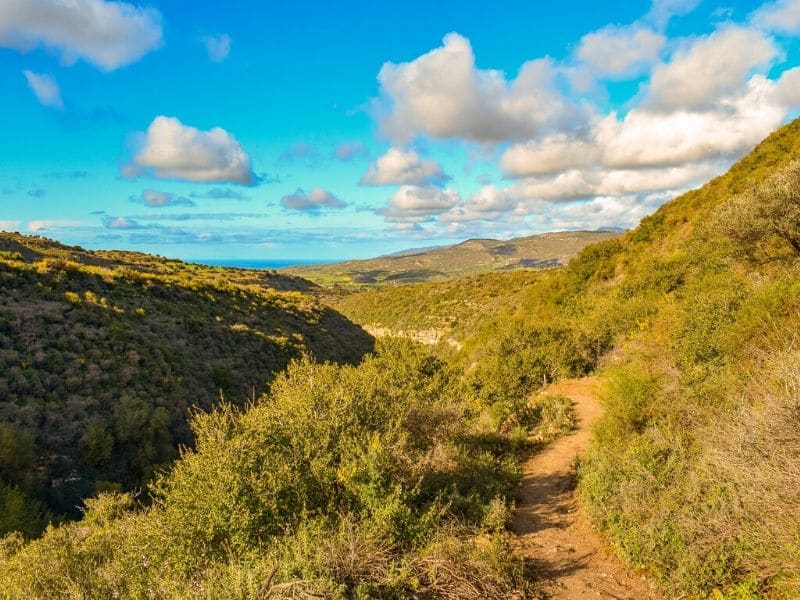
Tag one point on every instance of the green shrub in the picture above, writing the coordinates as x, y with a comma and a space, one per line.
766, 213
365, 481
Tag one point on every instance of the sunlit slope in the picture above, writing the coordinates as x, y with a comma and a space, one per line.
692, 320
103, 354
543, 251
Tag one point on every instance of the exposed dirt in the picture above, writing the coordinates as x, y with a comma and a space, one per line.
560, 549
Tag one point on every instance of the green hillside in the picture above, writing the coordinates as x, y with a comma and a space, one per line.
691, 320
104, 354
544, 251
394, 478
443, 311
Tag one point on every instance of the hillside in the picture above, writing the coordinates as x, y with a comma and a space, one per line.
443, 311
104, 354
543, 251
691, 322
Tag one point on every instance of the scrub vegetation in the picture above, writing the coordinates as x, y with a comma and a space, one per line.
103, 355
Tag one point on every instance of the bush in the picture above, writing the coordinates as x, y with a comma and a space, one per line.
766, 213
363, 481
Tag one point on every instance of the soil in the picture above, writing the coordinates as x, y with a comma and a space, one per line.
563, 554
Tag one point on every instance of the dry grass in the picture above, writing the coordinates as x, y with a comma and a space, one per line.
755, 453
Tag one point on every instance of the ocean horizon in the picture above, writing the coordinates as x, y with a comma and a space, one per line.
263, 264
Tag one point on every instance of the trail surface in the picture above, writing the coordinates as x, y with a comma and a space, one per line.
561, 550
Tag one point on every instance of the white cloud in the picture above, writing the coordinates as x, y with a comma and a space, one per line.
156, 199
712, 67
704, 106
787, 90
578, 187
443, 94
646, 139
551, 155
107, 34
110, 222
52, 224
415, 204
579, 184
6, 225
217, 46
173, 150
403, 167
488, 204
651, 139
45, 88
312, 201
782, 16
620, 52
623, 211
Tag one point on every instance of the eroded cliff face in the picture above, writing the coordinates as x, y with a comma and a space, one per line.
429, 337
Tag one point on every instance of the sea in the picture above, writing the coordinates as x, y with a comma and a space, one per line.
257, 264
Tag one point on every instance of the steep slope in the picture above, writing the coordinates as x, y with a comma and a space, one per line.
542, 251
435, 311
104, 354
691, 320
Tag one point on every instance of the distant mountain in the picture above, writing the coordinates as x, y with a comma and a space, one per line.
103, 355
471, 257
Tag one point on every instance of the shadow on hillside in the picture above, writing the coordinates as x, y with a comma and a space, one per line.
337, 339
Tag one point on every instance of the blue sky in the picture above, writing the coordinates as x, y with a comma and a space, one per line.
320, 130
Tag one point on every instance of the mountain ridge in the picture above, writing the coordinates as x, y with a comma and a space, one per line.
472, 256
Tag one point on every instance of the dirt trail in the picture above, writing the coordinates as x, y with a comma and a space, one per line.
563, 553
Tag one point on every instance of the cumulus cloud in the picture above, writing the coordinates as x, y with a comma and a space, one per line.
45, 88
646, 139
415, 204
551, 155
714, 66
106, 34
702, 102
620, 52
443, 94
217, 47
588, 189
398, 167
156, 199
787, 90
643, 138
173, 150
314, 200
488, 204
577, 184
782, 16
